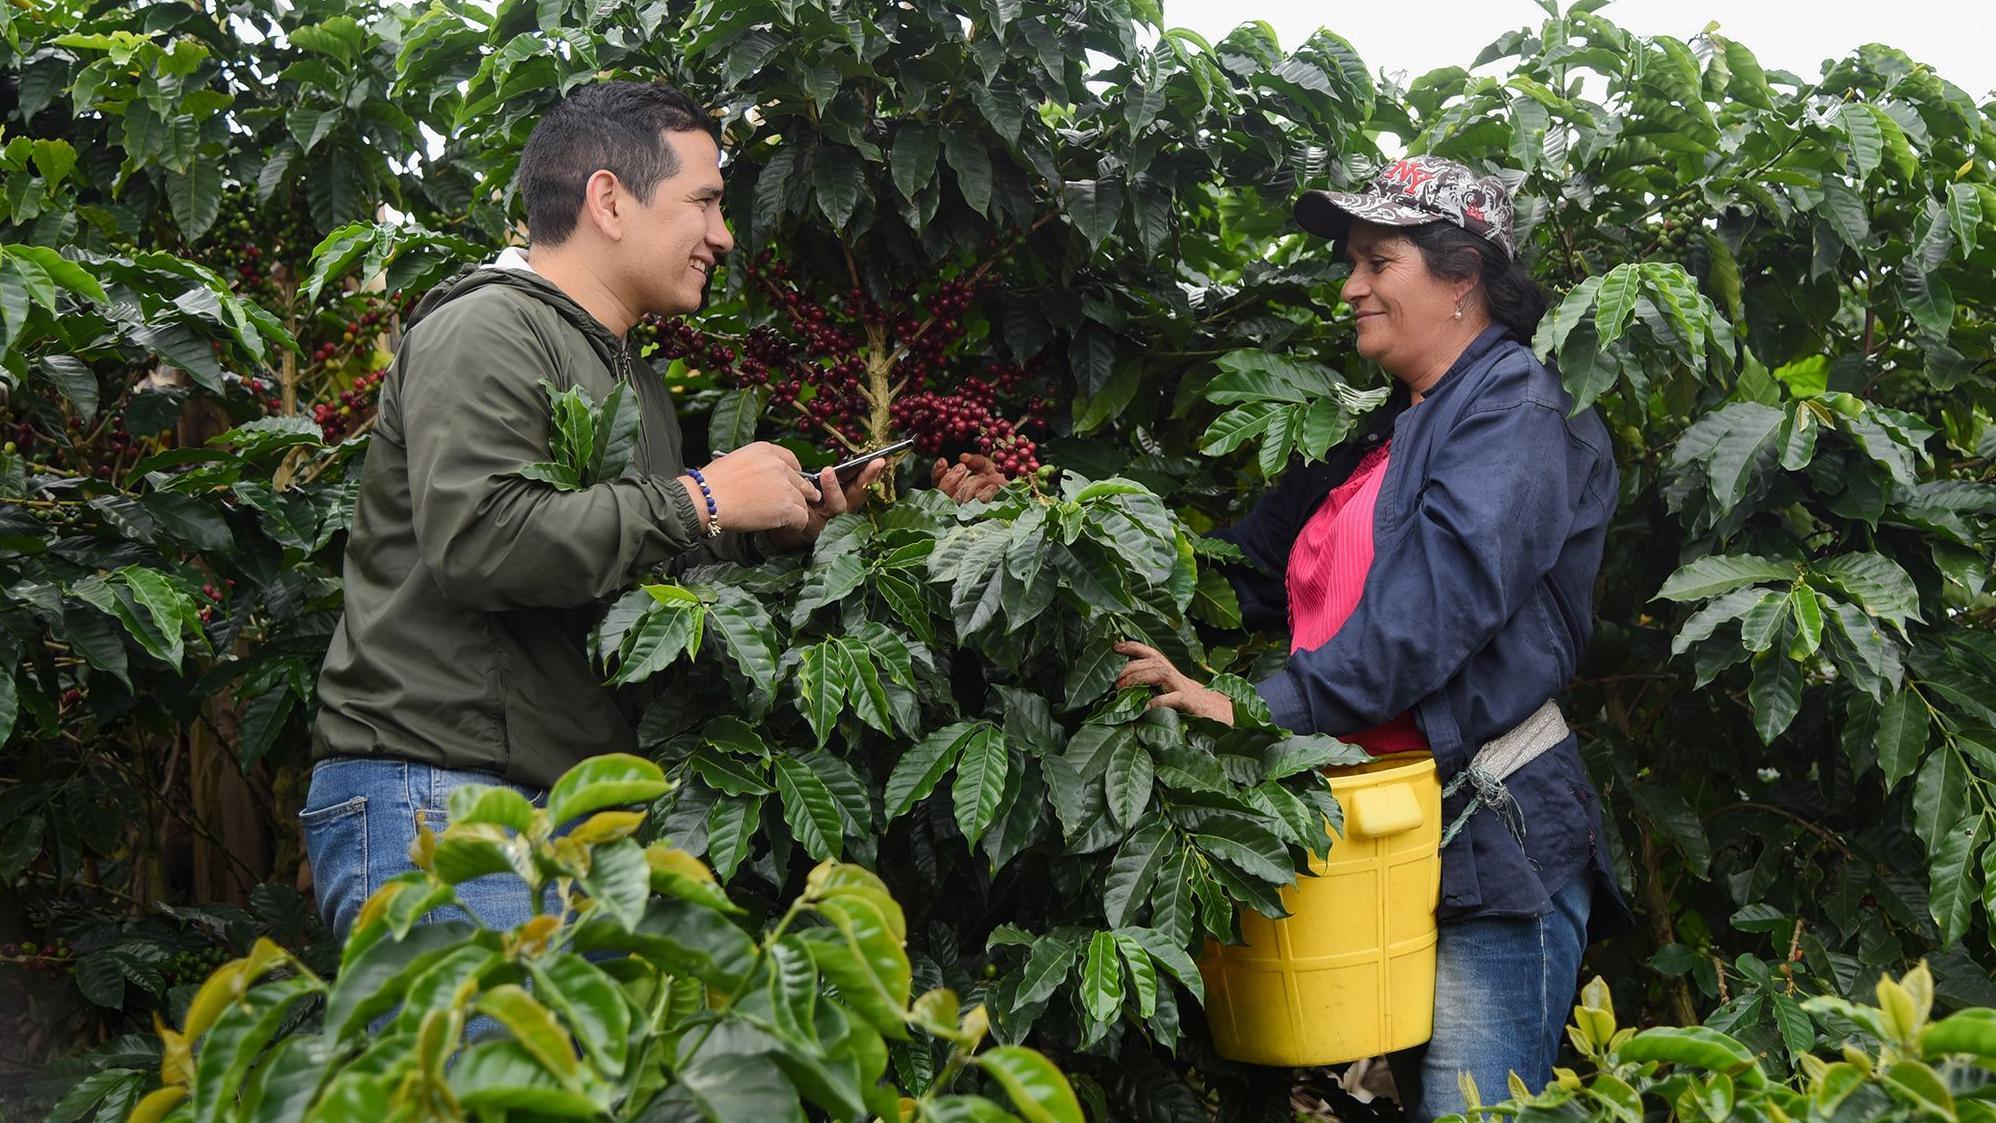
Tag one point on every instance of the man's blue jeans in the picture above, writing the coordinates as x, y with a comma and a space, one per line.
1503, 993
359, 820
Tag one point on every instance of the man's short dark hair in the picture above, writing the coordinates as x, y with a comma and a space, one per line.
618, 127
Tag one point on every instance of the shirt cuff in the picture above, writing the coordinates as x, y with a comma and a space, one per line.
1286, 706
683, 522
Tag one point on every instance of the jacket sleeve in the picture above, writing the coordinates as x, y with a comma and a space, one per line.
472, 414
1489, 524
742, 549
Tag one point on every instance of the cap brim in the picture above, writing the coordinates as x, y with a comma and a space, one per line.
1329, 214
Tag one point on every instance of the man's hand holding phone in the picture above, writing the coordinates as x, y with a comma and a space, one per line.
834, 495
757, 487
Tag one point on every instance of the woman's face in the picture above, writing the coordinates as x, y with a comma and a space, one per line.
1404, 313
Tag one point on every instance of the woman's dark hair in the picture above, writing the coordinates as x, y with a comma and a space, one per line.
1514, 299
618, 127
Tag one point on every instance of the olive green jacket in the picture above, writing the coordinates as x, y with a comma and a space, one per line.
470, 591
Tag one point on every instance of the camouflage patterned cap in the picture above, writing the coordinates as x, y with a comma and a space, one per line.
1414, 192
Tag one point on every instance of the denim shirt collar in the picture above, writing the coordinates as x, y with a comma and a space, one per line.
1471, 355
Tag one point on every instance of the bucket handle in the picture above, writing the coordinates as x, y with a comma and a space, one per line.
1386, 810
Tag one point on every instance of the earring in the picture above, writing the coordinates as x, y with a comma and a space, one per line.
1458, 313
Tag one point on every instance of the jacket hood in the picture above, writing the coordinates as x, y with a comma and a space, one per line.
475, 277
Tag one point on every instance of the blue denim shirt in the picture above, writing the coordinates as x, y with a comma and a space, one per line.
1487, 538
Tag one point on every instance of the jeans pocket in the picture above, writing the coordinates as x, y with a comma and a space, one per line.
336, 845
433, 791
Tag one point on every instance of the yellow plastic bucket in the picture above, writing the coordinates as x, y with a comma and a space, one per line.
1351, 972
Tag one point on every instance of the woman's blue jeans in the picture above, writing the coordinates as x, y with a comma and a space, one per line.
359, 820
1503, 993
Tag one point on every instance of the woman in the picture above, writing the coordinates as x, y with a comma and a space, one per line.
1436, 578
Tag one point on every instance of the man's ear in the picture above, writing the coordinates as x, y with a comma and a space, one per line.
604, 204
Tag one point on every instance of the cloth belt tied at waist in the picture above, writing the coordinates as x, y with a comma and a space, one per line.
1497, 760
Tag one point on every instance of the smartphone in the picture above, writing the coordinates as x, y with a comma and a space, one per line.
850, 470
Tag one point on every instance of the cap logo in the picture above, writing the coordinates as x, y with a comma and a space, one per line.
1407, 174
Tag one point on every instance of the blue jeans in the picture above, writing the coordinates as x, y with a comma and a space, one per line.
359, 820
1503, 993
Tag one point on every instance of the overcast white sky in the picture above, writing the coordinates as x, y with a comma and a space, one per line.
1956, 37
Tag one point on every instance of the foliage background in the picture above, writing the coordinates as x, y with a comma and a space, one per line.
1777, 288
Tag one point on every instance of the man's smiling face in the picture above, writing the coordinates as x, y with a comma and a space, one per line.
679, 237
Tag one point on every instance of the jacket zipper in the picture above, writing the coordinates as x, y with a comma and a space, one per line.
626, 373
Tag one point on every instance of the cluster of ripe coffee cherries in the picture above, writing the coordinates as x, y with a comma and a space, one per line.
816, 369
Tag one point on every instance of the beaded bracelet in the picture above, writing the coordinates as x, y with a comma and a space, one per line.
713, 510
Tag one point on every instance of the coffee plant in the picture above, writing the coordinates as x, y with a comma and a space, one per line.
634, 991
1895, 1062
1056, 235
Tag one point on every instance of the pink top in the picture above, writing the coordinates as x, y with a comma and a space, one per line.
1326, 577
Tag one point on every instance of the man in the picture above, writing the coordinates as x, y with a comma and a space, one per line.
470, 589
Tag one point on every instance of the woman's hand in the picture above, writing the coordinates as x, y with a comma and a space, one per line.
1149, 667
972, 477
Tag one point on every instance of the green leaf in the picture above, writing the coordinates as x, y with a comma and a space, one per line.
608, 780
373, 976
1953, 874
735, 417
534, 1028
772, 191
1747, 444
750, 638
875, 974
1102, 978
1722, 573
1037, 1088
1876, 583
981, 770
503, 1076
1902, 736
616, 435
913, 160
1128, 781
619, 880
1143, 974
1615, 303
1776, 693
824, 676
1845, 213
1940, 794
1572, 310
1094, 206
62, 271
591, 1005
971, 159
1252, 848
1859, 123
1046, 968
236, 1040
196, 197
732, 826
167, 610
1964, 211
74, 379
1134, 869
723, 1087
669, 628
1930, 301
809, 808
485, 803
1808, 611
1171, 956
839, 179
919, 769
